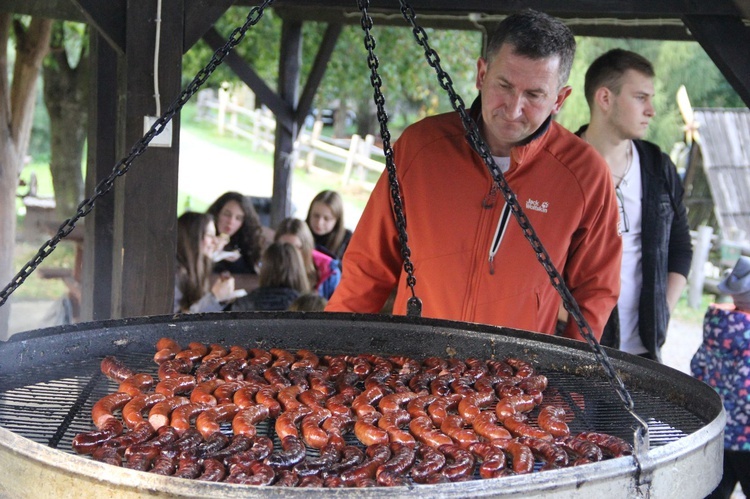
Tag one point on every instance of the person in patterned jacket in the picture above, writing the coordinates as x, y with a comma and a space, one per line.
723, 362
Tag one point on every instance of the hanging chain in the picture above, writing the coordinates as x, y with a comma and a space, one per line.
480, 146
414, 305
139, 148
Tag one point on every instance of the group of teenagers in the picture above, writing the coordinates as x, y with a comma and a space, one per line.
606, 205
298, 264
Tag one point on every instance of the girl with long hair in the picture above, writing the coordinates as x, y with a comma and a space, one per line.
325, 218
196, 244
240, 233
323, 271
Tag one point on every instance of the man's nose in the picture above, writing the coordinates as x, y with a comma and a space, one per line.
514, 106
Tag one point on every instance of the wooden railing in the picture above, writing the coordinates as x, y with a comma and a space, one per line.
356, 156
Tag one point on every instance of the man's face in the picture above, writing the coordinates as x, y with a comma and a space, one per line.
518, 94
632, 109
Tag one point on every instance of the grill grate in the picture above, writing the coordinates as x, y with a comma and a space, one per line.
50, 406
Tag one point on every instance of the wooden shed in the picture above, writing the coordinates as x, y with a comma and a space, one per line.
717, 178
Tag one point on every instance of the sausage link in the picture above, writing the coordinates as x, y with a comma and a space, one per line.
238, 443
453, 426
350, 457
246, 419
611, 445
107, 454
551, 454
312, 434
581, 448
366, 431
216, 351
310, 481
105, 406
518, 426
225, 393
282, 358
194, 352
418, 406
137, 384
165, 463
395, 401
376, 456
86, 443
286, 423
178, 385
365, 401
306, 358
259, 357
232, 370
552, 420
267, 397
132, 411
470, 406
493, 460
139, 434
213, 471
159, 414
188, 466
209, 421
522, 459
438, 410
329, 455
213, 444
208, 369
174, 368
536, 383
392, 423
292, 453
182, 416
508, 406
402, 459
424, 432
202, 393
459, 462
522, 368
485, 424
431, 461
287, 397
243, 397
115, 369
166, 349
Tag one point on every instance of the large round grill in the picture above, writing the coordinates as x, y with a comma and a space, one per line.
50, 379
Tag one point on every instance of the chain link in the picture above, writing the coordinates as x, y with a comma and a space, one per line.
414, 305
122, 167
480, 146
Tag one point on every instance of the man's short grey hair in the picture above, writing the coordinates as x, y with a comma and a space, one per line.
535, 35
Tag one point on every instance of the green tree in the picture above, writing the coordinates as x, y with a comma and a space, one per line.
66, 79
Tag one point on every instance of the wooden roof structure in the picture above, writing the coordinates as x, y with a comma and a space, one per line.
721, 160
131, 234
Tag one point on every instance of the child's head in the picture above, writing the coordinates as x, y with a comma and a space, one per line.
295, 232
326, 213
737, 284
309, 302
282, 267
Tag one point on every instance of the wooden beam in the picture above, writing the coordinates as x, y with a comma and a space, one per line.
108, 18
283, 110
290, 59
200, 16
146, 197
52, 9
317, 72
725, 39
744, 7
96, 286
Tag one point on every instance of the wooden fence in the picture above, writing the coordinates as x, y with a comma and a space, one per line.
357, 156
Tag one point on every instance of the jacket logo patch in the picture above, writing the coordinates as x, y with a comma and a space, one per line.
534, 205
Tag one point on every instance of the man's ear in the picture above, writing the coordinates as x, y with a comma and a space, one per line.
481, 71
561, 96
603, 98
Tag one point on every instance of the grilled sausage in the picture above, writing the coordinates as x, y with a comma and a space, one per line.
105, 406
115, 369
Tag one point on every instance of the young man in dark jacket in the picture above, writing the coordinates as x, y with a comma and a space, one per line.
656, 243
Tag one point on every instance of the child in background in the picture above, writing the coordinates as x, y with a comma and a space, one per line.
282, 279
240, 233
723, 362
309, 302
196, 244
325, 218
323, 271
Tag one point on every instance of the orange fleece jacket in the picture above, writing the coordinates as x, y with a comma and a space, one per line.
563, 186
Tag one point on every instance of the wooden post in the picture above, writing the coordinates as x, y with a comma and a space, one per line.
221, 115
290, 59
365, 149
317, 129
351, 157
700, 257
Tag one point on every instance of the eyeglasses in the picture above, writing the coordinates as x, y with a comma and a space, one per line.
624, 222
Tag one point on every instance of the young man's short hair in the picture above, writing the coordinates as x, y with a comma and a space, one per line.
607, 71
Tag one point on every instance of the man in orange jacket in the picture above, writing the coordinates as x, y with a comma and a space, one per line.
471, 260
